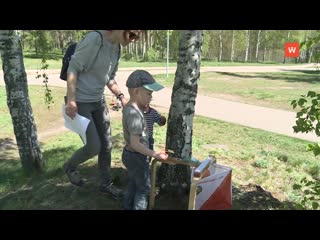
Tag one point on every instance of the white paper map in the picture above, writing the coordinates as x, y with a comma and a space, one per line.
78, 124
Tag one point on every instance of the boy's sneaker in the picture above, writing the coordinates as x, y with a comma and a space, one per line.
74, 176
110, 189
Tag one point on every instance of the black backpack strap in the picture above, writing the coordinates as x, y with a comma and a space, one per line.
100, 36
98, 49
119, 52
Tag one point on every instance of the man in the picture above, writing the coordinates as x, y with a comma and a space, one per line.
92, 67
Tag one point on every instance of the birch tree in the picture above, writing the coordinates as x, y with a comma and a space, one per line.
247, 46
18, 101
257, 46
232, 47
220, 46
180, 120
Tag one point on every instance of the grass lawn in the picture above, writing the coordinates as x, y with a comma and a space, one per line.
258, 159
274, 90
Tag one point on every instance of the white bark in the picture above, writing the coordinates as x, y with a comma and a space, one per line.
18, 101
220, 46
232, 47
183, 100
258, 44
247, 46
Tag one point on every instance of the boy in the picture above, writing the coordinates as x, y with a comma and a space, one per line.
152, 116
136, 151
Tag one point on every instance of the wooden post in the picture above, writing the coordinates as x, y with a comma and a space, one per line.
193, 194
171, 160
153, 183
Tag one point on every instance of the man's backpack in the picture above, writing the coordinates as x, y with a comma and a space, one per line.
67, 57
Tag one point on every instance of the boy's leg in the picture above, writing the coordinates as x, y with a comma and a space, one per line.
139, 174
128, 197
142, 183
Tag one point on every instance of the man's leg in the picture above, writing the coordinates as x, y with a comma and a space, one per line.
102, 120
88, 151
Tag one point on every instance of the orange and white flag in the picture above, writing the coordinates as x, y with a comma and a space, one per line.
214, 192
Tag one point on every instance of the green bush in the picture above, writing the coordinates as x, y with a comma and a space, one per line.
152, 55
308, 118
261, 163
307, 194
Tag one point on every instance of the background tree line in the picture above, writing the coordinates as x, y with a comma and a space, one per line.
218, 45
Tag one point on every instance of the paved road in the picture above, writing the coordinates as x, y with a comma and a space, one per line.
273, 120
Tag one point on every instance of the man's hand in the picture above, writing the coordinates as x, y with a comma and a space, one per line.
71, 109
123, 101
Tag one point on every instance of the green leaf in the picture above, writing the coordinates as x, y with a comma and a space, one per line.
316, 150
295, 129
311, 94
314, 102
310, 147
294, 105
315, 205
301, 101
304, 180
293, 102
309, 183
296, 186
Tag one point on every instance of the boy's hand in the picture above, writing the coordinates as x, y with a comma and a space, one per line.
163, 120
161, 156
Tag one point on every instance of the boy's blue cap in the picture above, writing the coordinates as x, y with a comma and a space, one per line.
141, 78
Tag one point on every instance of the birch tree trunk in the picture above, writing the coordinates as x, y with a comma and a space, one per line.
220, 46
232, 47
145, 43
265, 48
284, 56
257, 47
176, 178
247, 46
18, 101
136, 51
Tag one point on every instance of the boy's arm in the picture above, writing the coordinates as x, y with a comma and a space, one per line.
161, 120
139, 147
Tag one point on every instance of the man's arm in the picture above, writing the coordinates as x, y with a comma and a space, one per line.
114, 88
71, 107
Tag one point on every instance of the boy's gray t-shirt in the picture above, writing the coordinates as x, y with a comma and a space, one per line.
95, 65
133, 123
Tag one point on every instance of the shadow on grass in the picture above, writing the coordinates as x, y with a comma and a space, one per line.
244, 197
311, 76
49, 56
52, 190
